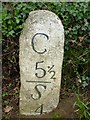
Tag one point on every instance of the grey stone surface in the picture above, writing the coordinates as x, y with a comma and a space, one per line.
40, 60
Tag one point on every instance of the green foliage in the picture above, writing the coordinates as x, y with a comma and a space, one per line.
85, 81
76, 65
13, 17
56, 116
83, 109
75, 18
5, 94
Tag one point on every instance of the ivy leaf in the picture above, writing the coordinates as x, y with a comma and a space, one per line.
17, 20
88, 41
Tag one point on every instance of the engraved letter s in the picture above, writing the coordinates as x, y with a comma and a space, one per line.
39, 93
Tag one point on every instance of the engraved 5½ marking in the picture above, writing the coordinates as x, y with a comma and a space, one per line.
50, 70
53, 76
39, 68
43, 71
33, 39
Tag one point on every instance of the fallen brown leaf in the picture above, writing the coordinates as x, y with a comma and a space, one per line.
8, 109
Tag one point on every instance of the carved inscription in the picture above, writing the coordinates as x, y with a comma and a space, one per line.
40, 59
39, 93
41, 69
43, 72
33, 40
51, 71
39, 108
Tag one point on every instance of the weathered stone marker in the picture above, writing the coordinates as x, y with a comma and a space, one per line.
40, 59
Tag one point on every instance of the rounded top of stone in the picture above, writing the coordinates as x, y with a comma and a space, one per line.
44, 15
43, 12
42, 21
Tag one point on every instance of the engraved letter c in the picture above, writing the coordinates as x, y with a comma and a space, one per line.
39, 52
